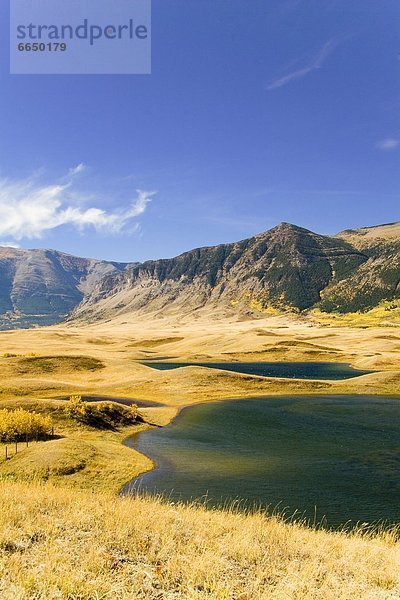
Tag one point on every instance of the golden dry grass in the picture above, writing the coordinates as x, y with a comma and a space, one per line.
85, 459
81, 456
121, 344
58, 543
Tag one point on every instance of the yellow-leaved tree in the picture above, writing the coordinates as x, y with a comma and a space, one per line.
17, 425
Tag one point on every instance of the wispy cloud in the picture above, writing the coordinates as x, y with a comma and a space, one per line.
387, 144
9, 245
315, 64
76, 170
28, 209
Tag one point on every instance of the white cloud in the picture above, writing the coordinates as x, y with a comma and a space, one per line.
9, 245
314, 65
387, 144
28, 209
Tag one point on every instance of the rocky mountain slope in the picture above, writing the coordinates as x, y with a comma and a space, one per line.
378, 278
286, 267
43, 286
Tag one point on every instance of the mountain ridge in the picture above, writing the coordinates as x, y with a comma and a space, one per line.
286, 267
41, 287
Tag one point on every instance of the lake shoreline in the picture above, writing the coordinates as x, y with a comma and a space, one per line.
158, 462
184, 407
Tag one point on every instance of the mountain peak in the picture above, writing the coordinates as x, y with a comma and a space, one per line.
289, 228
286, 225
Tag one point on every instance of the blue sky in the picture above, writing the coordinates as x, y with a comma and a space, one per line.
256, 112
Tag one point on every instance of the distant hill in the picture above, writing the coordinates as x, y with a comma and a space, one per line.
41, 287
287, 267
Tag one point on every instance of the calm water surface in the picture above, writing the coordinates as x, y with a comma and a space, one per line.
340, 454
295, 370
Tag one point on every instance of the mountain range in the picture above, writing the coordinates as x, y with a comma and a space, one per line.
287, 267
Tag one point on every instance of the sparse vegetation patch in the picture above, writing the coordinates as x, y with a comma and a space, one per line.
53, 364
156, 342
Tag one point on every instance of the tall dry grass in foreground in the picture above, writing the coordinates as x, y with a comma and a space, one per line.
61, 543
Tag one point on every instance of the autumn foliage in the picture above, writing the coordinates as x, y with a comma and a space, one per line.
20, 424
101, 415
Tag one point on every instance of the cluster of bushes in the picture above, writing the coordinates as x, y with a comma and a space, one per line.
102, 415
18, 425
11, 355
392, 306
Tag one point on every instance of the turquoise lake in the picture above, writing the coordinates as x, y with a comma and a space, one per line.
336, 457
